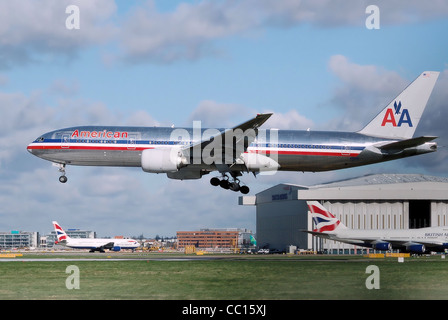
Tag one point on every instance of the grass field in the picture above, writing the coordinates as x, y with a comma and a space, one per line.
273, 277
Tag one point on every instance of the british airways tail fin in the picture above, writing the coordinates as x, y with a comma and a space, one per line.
401, 116
60, 233
324, 221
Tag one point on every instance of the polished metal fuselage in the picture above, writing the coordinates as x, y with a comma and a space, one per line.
293, 150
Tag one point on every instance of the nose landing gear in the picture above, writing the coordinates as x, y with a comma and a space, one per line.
61, 166
63, 179
226, 183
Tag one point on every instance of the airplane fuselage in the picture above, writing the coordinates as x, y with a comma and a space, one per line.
190, 153
99, 244
434, 238
293, 150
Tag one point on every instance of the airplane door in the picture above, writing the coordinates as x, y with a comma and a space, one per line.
132, 142
345, 150
65, 141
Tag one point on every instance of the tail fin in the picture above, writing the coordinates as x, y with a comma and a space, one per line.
401, 116
253, 241
324, 221
62, 236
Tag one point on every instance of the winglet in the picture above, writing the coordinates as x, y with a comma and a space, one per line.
254, 123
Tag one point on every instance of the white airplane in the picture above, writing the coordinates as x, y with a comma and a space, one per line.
95, 244
327, 226
190, 153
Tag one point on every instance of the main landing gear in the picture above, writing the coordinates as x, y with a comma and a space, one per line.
228, 184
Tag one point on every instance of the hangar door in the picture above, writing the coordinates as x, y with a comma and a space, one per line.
419, 214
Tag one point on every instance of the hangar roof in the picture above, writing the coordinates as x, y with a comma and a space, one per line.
370, 187
381, 187
383, 179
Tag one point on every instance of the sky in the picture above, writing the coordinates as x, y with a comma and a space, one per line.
315, 64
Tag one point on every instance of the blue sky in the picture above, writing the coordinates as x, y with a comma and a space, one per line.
313, 63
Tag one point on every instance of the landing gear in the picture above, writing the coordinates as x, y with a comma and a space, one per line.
61, 166
226, 183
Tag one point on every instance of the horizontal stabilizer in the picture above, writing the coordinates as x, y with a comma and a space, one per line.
315, 233
404, 144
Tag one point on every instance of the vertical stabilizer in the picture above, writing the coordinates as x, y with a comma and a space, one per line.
401, 116
324, 221
60, 233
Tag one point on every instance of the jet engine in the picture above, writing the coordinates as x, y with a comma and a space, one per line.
259, 162
416, 248
162, 160
384, 246
116, 248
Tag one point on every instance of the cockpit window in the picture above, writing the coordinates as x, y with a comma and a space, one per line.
41, 139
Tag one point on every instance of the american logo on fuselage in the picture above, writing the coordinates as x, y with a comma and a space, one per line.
391, 116
100, 134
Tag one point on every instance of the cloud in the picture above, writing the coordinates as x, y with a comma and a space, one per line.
433, 123
362, 92
291, 120
213, 114
33, 30
192, 30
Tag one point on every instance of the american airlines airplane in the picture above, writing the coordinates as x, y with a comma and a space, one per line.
410, 240
95, 244
190, 153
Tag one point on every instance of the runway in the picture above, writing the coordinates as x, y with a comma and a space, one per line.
100, 259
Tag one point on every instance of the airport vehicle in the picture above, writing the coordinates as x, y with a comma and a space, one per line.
421, 240
190, 153
94, 244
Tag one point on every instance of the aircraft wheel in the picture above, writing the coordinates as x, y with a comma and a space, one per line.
224, 184
244, 189
63, 179
234, 186
215, 181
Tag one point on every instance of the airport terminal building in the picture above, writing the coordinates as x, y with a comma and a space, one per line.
384, 201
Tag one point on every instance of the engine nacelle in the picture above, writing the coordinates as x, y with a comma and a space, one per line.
384, 246
162, 160
416, 248
116, 248
259, 162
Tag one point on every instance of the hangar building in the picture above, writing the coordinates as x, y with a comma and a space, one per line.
383, 201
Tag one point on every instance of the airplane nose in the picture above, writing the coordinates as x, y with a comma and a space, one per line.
30, 148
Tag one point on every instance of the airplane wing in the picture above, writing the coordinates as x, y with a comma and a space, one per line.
231, 143
108, 245
404, 144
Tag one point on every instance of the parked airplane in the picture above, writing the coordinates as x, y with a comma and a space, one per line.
410, 240
94, 244
190, 153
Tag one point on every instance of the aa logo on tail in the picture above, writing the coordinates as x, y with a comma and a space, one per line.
402, 116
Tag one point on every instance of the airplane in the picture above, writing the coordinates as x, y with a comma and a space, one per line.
95, 244
419, 241
190, 153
